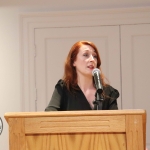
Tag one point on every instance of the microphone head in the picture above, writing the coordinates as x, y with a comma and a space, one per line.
95, 70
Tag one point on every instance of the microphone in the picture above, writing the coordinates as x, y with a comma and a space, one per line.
97, 80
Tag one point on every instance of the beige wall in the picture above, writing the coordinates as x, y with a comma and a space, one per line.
9, 67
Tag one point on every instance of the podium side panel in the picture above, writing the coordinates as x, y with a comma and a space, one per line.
16, 134
134, 132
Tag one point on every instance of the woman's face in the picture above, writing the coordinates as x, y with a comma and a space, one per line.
86, 60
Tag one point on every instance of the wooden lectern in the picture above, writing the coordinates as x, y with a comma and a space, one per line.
77, 130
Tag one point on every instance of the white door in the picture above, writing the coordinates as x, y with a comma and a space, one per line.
53, 45
135, 58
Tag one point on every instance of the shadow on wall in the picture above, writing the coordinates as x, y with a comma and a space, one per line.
1, 126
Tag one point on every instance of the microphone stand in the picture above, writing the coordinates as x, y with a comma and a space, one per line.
98, 101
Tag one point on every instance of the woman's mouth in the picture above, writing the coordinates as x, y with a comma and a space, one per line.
91, 67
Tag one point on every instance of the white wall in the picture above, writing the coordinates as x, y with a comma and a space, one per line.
9, 67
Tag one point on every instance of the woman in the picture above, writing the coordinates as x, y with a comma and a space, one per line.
76, 91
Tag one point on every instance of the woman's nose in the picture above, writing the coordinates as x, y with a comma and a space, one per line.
91, 58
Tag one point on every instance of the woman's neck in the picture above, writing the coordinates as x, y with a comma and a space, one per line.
85, 83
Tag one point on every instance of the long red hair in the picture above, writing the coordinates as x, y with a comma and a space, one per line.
70, 75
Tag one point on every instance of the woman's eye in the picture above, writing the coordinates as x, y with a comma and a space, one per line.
95, 56
85, 55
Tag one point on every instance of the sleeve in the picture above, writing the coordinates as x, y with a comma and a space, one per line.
114, 94
55, 102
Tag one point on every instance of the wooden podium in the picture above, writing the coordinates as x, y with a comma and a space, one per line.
77, 130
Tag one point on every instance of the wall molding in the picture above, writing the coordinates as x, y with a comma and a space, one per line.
96, 17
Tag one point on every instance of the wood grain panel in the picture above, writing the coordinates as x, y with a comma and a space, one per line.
75, 124
94, 141
134, 132
16, 134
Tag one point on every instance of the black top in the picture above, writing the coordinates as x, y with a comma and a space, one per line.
63, 100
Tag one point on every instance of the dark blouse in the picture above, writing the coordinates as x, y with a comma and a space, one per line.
63, 100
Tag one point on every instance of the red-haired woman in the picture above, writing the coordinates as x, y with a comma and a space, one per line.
76, 91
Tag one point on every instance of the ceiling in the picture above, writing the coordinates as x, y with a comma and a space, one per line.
75, 4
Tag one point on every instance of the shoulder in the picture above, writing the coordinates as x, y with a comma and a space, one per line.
111, 91
60, 83
59, 86
110, 98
